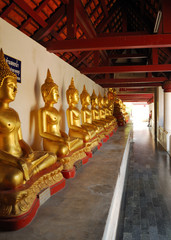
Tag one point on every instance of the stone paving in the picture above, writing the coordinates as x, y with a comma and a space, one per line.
146, 214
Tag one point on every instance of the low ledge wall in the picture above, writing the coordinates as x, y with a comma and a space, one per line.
111, 226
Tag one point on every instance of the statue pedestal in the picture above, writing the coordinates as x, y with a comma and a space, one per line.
111, 134
105, 138
19, 206
69, 173
89, 154
99, 145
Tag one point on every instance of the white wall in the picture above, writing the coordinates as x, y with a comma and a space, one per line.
160, 107
35, 61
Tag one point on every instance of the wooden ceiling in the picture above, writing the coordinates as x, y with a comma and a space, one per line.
113, 42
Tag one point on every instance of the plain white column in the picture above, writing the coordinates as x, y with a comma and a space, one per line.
167, 111
167, 119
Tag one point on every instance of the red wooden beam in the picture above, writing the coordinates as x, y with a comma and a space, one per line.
130, 80
145, 95
118, 42
128, 69
51, 23
136, 90
132, 85
141, 100
25, 7
127, 56
38, 9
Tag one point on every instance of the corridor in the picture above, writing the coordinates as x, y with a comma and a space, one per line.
146, 214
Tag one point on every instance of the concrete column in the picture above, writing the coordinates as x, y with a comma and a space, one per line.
167, 113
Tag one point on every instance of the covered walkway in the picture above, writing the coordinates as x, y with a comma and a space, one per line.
147, 208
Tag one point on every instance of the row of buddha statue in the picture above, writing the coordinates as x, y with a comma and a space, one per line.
25, 173
119, 108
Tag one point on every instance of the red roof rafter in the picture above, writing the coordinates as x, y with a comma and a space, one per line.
25, 7
51, 23
38, 9
86, 25
104, 7
116, 7
8, 9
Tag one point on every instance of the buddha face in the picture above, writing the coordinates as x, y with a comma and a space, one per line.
75, 97
53, 95
88, 99
8, 89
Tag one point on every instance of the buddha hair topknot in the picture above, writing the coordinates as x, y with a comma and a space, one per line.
4, 69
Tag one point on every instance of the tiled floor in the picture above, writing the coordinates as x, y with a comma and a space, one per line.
146, 214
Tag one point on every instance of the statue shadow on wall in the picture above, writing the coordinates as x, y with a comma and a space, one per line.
62, 112
35, 138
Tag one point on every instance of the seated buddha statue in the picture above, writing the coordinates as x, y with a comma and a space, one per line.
102, 111
54, 140
95, 112
111, 100
109, 110
118, 111
109, 126
86, 113
74, 118
18, 162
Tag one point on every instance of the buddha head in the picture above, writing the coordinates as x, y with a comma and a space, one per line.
8, 81
94, 99
50, 90
72, 94
85, 97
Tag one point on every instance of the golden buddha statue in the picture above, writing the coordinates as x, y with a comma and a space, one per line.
22, 170
69, 150
74, 118
108, 111
109, 124
111, 100
96, 114
118, 111
86, 114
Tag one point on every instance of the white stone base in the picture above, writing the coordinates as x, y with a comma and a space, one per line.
114, 211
